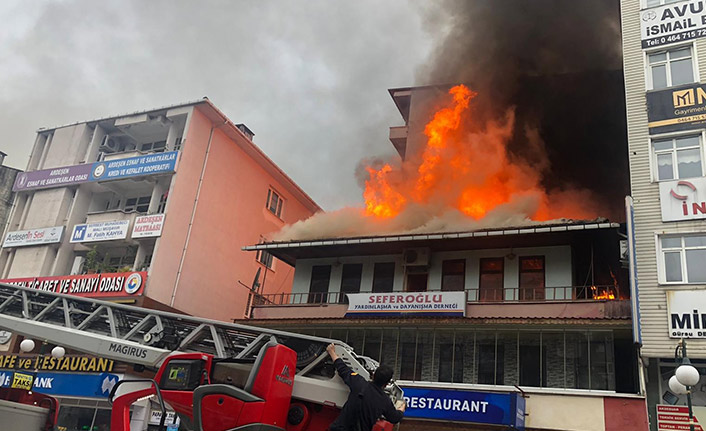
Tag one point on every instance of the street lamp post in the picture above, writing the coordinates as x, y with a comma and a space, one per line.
685, 377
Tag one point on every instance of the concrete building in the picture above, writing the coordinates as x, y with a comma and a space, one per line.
151, 208
664, 54
7, 196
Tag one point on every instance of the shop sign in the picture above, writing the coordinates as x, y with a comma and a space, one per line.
687, 313
63, 384
44, 235
407, 303
506, 409
683, 199
676, 418
104, 285
672, 23
683, 108
102, 231
151, 164
21, 381
148, 226
50, 363
156, 416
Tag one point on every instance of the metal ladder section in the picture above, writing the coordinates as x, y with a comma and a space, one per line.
144, 336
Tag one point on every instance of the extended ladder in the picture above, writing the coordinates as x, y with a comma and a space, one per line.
144, 336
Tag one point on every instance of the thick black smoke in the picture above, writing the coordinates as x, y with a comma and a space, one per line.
558, 63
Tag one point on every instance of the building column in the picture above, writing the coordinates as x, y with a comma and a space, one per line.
94, 146
157, 192
139, 256
172, 136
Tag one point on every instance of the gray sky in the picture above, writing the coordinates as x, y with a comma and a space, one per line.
310, 78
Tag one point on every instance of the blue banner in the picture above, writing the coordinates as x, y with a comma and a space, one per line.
466, 406
150, 164
68, 384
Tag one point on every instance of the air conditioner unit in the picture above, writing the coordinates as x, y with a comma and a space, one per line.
109, 145
415, 256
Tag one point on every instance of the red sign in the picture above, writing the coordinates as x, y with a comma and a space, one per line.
88, 285
675, 418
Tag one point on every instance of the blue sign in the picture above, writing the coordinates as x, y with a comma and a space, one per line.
150, 164
466, 406
68, 384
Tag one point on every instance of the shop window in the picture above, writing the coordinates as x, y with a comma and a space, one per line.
350, 280
274, 203
373, 339
670, 67
265, 258
532, 362
450, 357
577, 357
411, 354
682, 259
553, 359
453, 275
602, 375
490, 359
383, 277
318, 288
678, 157
532, 278
139, 204
491, 279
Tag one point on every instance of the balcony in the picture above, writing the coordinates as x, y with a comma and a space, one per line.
398, 137
570, 302
114, 215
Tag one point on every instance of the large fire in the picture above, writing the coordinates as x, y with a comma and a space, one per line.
467, 167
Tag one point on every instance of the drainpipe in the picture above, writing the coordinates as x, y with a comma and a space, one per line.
193, 212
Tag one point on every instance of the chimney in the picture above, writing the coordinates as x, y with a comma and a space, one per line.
243, 128
2, 158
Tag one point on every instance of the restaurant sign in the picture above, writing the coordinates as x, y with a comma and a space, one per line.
104, 285
506, 409
49, 363
407, 304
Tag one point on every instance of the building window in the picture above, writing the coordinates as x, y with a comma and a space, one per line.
453, 275
532, 278
155, 147
491, 279
670, 68
350, 280
383, 277
265, 258
274, 203
653, 3
318, 288
683, 258
678, 157
140, 205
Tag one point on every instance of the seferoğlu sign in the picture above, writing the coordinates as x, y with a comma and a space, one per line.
44, 235
682, 200
407, 303
673, 23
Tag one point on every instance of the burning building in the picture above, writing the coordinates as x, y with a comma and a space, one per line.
471, 273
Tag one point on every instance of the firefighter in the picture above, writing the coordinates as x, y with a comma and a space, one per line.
367, 401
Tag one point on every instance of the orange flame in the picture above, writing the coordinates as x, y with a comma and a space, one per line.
466, 166
605, 294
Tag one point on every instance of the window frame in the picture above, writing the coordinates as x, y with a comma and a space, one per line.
644, 5
662, 265
649, 84
265, 258
128, 208
462, 274
535, 290
501, 271
654, 165
277, 212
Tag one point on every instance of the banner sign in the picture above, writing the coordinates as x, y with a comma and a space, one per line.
683, 199
671, 110
49, 363
106, 285
44, 235
102, 231
676, 418
687, 313
62, 384
407, 303
506, 409
151, 164
672, 23
148, 226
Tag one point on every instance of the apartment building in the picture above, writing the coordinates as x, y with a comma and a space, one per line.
151, 208
664, 52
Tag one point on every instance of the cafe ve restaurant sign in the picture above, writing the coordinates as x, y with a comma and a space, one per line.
406, 304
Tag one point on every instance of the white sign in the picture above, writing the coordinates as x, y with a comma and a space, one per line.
673, 23
103, 231
147, 226
156, 415
687, 313
683, 199
405, 303
45, 235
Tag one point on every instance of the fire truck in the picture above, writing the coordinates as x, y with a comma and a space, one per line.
214, 375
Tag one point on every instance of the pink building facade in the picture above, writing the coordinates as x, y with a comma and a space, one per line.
152, 208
